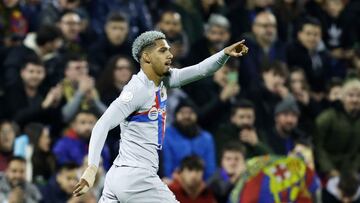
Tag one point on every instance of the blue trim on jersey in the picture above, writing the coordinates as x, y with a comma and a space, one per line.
139, 118
161, 118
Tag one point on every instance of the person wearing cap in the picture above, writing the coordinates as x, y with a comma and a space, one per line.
336, 139
285, 134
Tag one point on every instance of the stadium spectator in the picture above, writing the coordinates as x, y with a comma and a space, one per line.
25, 101
34, 145
73, 146
267, 93
183, 138
188, 185
61, 186
69, 23
8, 132
115, 41
52, 10
115, 76
305, 53
264, 46
43, 44
13, 184
170, 24
136, 12
336, 142
241, 128
232, 167
285, 133
79, 88
221, 91
308, 107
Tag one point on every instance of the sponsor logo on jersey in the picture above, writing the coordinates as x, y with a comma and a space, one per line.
153, 113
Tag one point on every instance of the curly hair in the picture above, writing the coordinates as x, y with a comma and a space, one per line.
143, 41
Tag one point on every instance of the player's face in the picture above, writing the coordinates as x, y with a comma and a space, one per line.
32, 75
243, 116
233, 162
67, 180
160, 57
15, 173
83, 124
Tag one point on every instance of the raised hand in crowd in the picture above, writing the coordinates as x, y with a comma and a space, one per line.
86, 84
53, 97
229, 91
16, 195
249, 135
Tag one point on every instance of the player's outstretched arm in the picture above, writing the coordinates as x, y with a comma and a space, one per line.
207, 67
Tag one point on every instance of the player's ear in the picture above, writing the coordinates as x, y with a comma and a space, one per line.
146, 57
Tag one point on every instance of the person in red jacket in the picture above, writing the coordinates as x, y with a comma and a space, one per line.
188, 184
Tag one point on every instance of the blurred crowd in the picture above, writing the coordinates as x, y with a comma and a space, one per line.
281, 124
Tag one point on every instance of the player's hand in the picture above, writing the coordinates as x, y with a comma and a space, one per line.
86, 181
237, 49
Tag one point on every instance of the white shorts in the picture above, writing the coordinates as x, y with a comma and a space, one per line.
127, 184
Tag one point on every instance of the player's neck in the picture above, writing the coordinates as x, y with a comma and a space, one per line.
151, 75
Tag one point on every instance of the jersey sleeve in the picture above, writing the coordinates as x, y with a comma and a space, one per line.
207, 67
130, 100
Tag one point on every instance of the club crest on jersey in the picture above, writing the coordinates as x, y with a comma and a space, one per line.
153, 113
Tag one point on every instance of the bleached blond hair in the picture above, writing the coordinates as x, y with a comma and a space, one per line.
146, 39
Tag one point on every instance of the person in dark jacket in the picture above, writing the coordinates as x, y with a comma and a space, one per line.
60, 187
306, 54
264, 45
285, 134
113, 43
24, 100
337, 144
268, 93
241, 128
43, 44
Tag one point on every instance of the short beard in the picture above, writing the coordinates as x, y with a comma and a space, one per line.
189, 131
167, 74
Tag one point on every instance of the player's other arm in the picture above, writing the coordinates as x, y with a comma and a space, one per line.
128, 102
207, 67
